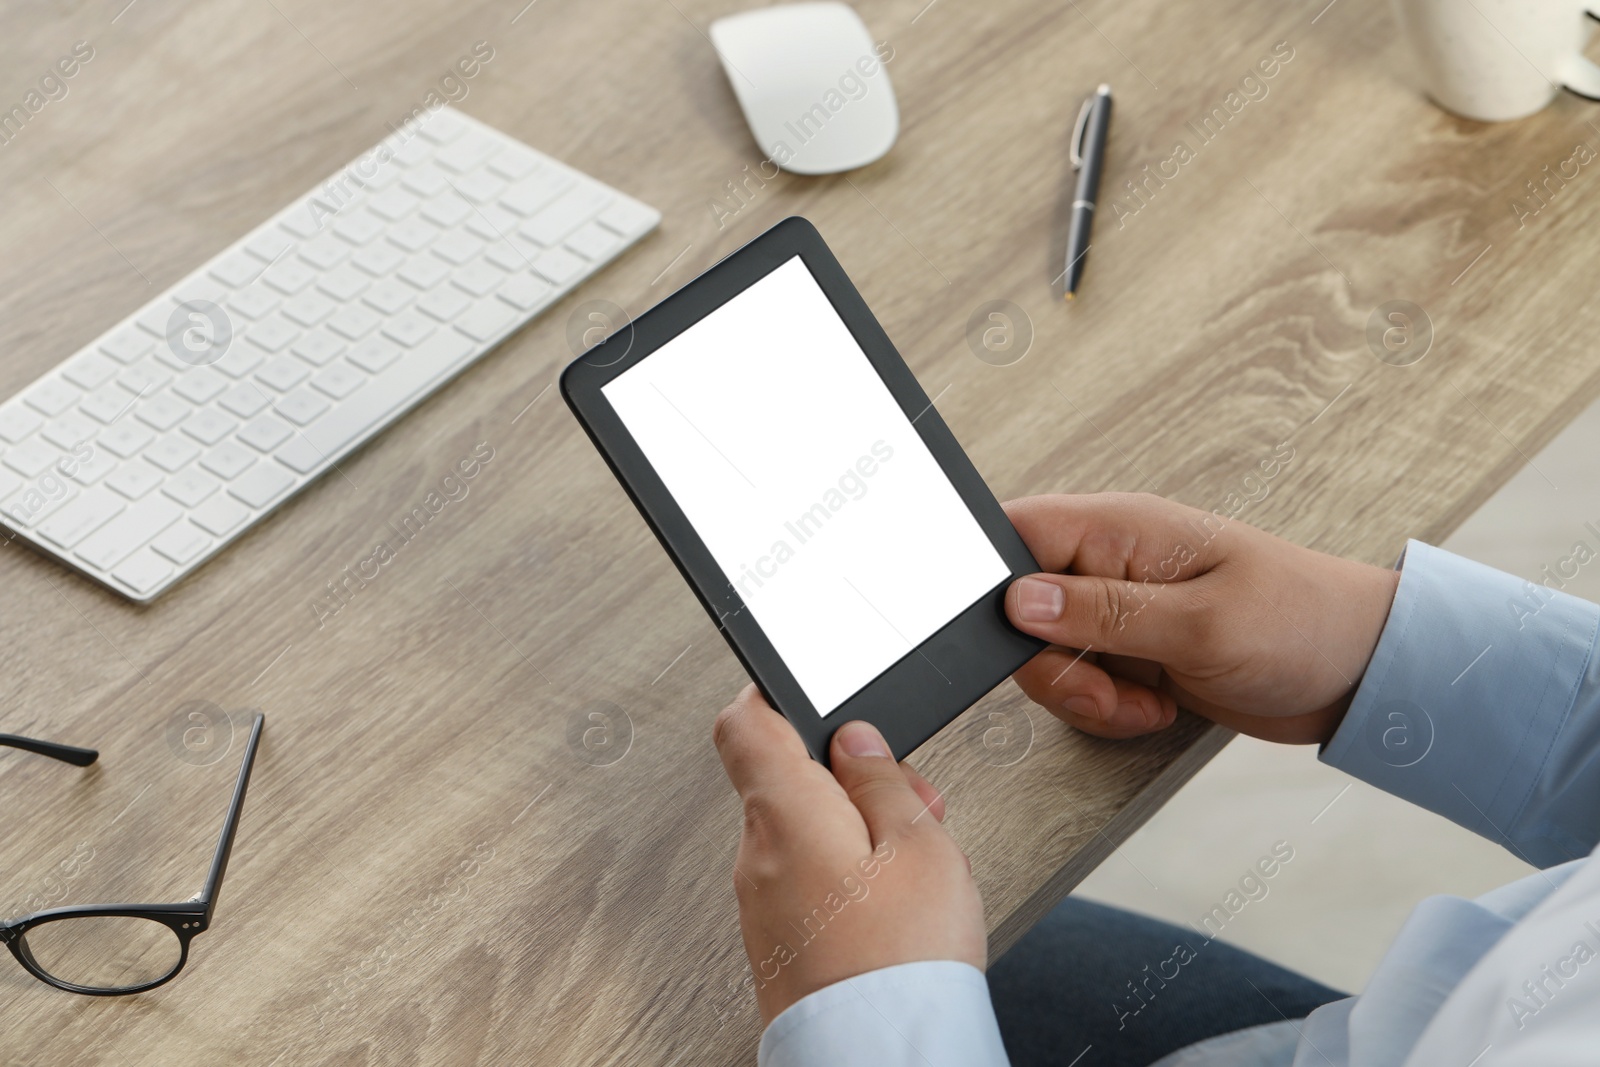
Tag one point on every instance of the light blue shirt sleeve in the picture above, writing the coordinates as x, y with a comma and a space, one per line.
1482, 703
930, 1014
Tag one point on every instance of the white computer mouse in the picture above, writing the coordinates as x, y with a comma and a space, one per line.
812, 85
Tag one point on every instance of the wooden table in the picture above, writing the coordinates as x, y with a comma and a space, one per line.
431, 869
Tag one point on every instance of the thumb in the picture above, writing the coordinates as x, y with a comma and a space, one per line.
1149, 620
861, 761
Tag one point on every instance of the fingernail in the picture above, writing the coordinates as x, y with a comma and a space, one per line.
861, 740
1039, 601
1082, 707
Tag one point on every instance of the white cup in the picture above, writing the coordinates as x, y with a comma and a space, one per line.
1494, 60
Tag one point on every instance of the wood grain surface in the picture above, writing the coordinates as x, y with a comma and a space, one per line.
432, 867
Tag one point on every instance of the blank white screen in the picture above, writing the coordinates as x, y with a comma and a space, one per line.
808, 484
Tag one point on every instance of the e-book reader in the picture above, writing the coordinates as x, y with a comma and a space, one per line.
800, 478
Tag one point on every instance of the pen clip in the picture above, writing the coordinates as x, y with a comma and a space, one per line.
1075, 152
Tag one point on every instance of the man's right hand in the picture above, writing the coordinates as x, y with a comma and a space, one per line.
1150, 604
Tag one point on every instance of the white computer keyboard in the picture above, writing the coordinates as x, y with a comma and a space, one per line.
150, 449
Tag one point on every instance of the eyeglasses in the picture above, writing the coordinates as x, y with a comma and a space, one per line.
109, 950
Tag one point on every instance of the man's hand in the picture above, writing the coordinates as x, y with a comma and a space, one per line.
1170, 605
843, 873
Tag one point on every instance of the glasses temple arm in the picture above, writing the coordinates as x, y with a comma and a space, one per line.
219, 862
80, 757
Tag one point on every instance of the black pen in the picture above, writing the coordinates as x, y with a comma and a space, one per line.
1088, 157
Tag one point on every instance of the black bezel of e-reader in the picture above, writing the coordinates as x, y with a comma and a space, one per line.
931, 685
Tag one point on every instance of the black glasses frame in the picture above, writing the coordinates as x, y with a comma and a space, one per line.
185, 920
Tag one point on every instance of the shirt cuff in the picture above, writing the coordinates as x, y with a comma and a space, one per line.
936, 1012
1464, 704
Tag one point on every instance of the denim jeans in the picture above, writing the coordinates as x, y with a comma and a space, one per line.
1131, 989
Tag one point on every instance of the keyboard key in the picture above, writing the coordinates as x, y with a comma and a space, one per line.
172, 453
236, 271
300, 456
125, 439
410, 330
269, 244
507, 256
302, 219
372, 355
412, 151
353, 322
423, 366
480, 187
181, 543
593, 242
344, 283
443, 127
144, 378
426, 182
261, 484
493, 223
377, 259
190, 487
361, 227
88, 471
31, 458
128, 532
559, 265
52, 397
134, 480
447, 210
272, 333
163, 411
17, 422
265, 433
254, 302
200, 386
468, 153
479, 279
155, 318
628, 217
425, 272
106, 403
443, 304
200, 289
413, 234
394, 204
227, 461
83, 516
525, 292
283, 373
68, 431
89, 371
566, 213
125, 346
33, 504
308, 309
528, 196
143, 572
245, 400
219, 515
9, 483
301, 406
240, 360
338, 381
208, 426
512, 163
289, 276
389, 296
457, 248
317, 348
487, 320
326, 252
